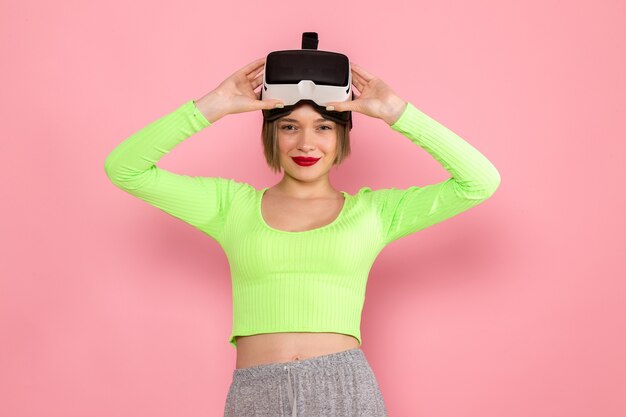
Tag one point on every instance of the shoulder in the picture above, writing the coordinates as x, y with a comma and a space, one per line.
226, 186
372, 194
385, 197
365, 195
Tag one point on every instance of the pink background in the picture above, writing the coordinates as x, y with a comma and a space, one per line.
110, 307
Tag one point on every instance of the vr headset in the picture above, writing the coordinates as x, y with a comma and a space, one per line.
307, 75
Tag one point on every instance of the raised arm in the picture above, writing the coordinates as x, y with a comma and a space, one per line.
474, 179
404, 211
199, 201
202, 202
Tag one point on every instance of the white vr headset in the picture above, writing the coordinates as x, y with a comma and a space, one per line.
307, 75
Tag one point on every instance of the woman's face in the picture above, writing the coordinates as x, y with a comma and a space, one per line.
305, 133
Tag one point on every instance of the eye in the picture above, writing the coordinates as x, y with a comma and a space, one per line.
286, 127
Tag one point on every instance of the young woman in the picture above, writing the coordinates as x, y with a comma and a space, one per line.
300, 251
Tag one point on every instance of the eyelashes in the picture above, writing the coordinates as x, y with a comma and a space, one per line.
284, 127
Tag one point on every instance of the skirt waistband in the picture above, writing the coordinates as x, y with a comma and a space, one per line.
328, 361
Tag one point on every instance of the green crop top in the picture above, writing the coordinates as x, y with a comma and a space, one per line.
313, 280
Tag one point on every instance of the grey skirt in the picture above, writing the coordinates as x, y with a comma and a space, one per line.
340, 384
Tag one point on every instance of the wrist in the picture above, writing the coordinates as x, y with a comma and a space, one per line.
395, 108
211, 107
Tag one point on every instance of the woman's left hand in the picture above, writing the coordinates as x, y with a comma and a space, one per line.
377, 99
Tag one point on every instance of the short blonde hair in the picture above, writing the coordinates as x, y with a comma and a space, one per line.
269, 135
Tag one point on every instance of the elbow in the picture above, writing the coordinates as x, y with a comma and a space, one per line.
116, 172
496, 179
109, 169
479, 188
491, 183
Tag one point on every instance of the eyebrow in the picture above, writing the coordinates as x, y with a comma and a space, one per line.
287, 119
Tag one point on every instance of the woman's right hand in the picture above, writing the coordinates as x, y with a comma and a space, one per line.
236, 94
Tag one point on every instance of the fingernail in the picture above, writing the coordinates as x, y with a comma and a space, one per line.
279, 106
330, 107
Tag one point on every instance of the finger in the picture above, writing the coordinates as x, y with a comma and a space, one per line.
358, 81
254, 73
358, 78
255, 76
341, 105
362, 73
347, 105
358, 84
257, 81
267, 104
253, 66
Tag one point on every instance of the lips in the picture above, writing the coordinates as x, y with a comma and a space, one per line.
304, 160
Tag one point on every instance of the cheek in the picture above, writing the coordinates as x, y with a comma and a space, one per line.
284, 144
329, 146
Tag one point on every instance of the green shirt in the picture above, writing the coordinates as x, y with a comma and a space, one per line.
313, 280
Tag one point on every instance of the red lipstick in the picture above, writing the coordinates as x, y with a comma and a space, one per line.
304, 161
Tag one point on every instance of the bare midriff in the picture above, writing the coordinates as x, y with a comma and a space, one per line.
266, 348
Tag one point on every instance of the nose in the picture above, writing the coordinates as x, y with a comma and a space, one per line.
306, 142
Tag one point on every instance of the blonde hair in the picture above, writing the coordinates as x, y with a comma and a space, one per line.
269, 136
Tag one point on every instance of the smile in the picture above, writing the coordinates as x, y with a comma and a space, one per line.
304, 160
